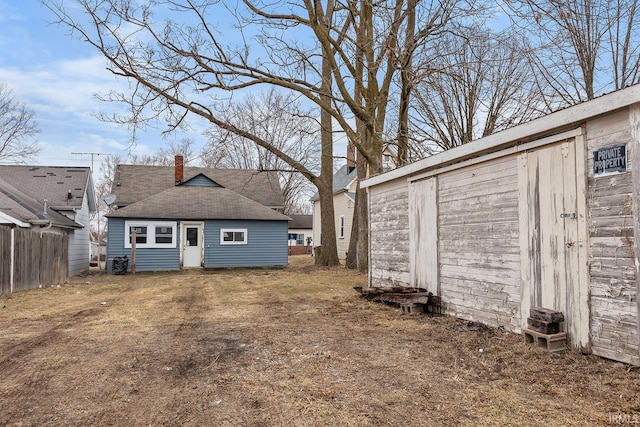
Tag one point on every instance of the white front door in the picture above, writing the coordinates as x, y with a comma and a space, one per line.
192, 245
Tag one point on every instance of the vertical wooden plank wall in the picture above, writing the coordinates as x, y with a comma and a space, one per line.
5, 259
423, 234
634, 154
553, 235
27, 260
580, 299
479, 242
39, 260
614, 307
389, 234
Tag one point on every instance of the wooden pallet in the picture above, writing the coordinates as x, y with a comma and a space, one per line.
410, 300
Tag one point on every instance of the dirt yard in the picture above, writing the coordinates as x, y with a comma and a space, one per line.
289, 347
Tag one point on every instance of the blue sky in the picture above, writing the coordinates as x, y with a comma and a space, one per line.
58, 76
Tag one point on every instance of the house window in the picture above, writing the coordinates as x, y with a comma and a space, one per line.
297, 238
151, 234
387, 158
233, 236
341, 227
164, 234
141, 235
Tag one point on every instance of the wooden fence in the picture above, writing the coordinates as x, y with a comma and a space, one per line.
39, 259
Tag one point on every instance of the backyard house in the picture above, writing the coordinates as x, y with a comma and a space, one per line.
345, 182
344, 193
544, 214
197, 217
300, 231
54, 199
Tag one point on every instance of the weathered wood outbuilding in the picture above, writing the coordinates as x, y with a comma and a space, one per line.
542, 214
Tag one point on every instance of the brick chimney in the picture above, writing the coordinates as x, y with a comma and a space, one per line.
179, 162
351, 157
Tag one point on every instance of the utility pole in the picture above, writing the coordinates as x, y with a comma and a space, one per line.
92, 154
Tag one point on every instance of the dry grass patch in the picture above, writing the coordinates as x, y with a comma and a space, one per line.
295, 346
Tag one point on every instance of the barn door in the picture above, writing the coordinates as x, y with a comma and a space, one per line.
549, 218
423, 234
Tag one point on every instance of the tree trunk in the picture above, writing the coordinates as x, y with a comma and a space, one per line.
361, 212
406, 85
329, 253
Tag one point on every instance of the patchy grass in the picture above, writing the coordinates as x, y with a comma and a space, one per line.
295, 346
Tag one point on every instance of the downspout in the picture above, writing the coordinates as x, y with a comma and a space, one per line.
45, 228
45, 213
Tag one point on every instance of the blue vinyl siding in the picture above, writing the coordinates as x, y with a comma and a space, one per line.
201, 181
266, 244
147, 259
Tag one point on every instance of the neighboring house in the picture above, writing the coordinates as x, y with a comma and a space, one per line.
389, 156
300, 234
197, 217
68, 195
344, 196
545, 214
96, 250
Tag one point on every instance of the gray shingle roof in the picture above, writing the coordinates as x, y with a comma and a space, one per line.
24, 208
137, 182
301, 221
198, 203
51, 183
341, 180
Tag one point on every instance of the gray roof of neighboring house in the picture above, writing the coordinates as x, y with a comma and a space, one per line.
301, 221
26, 209
341, 180
137, 182
198, 203
53, 184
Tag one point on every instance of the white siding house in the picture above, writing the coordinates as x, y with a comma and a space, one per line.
65, 190
344, 187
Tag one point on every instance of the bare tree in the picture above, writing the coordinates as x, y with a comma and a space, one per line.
570, 36
480, 84
188, 67
281, 120
623, 37
185, 147
17, 128
181, 64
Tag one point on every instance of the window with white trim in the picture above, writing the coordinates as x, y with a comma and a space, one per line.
151, 234
233, 236
341, 227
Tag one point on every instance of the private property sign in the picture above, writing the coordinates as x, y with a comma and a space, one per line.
610, 159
